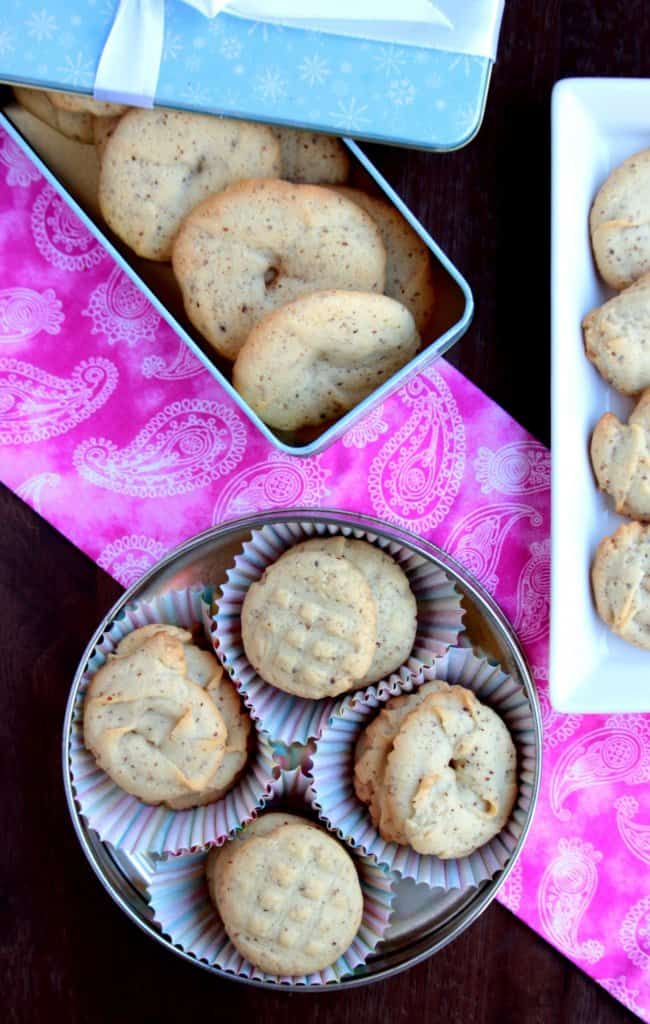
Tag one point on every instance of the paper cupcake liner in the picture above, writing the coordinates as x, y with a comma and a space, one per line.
332, 790
121, 819
181, 906
296, 719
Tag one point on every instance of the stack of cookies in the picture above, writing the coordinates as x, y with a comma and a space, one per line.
437, 770
164, 722
288, 895
330, 615
617, 341
315, 292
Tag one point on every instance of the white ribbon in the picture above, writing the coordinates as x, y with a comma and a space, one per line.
130, 62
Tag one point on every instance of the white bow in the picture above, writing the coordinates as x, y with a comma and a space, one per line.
130, 62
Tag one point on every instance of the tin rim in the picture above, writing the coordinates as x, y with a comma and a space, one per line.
122, 889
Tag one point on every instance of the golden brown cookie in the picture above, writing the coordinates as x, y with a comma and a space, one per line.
310, 158
449, 782
313, 359
260, 244
153, 730
620, 576
376, 742
222, 855
77, 103
159, 164
620, 456
309, 625
290, 901
409, 272
389, 585
620, 222
617, 338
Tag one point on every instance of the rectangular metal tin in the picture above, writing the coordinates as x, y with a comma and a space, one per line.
424, 358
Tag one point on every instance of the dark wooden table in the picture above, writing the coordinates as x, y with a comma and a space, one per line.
67, 952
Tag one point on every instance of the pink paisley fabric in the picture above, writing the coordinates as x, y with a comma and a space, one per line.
112, 430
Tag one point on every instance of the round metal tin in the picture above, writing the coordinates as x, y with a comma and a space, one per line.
424, 920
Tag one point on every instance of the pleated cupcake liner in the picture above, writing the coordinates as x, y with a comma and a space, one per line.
332, 772
121, 819
296, 719
179, 899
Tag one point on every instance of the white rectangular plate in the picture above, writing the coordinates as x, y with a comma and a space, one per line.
596, 123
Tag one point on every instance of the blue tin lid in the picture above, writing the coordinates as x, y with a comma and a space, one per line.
400, 94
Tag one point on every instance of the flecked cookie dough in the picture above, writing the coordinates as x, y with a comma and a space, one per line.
409, 272
389, 585
261, 244
310, 158
315, 358
617, 338
620, 456
309, 625
620, 222
290, 900
159, 164
620, 577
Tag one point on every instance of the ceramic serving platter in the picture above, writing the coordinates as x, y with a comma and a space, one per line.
596, 124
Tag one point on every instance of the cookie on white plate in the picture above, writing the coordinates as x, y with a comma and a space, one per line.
620, 456
620, 576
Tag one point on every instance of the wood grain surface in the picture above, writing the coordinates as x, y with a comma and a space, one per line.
67, 951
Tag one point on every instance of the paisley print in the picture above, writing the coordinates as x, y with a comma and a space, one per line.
521, 467
128, 558
184, 448
19, 168
534, 594
415, 477
278, 482
60, 237
634, 834
566, 890
618, 988
25, 312
511, 890
183, 365
367, 430
619, 751
478, 538
31, 490
635, 933
35, 405
121, 312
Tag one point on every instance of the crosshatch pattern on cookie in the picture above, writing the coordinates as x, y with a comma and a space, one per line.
295, 719
179, 899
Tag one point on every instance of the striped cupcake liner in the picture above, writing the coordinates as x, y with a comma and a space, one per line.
182, 909
332, 791
295, 719
121, 819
